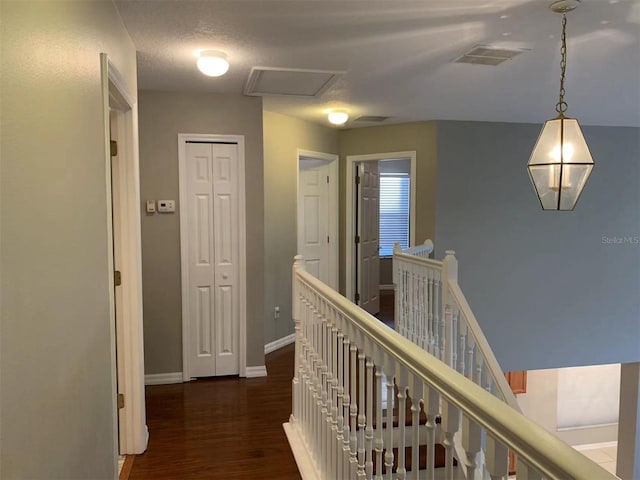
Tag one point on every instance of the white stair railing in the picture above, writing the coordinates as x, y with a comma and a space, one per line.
432, 312
337, 428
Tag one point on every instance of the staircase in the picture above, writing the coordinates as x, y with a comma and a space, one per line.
372, 403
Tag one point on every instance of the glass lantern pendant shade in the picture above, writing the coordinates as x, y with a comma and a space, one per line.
560, 164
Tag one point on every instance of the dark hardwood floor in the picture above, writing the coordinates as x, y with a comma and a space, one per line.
227, 428
386, 313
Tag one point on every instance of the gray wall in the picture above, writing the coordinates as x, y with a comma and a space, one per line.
57, 402
547, 287
162, 116
283, 136
418, 136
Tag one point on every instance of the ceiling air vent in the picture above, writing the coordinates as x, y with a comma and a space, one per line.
486, 55
290, 82
371, 119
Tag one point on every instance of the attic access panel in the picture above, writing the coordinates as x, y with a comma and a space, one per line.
267, 81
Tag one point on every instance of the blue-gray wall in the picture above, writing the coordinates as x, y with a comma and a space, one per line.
550, 289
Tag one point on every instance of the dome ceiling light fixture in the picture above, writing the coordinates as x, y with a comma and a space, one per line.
561, 162
212, 63
338, 117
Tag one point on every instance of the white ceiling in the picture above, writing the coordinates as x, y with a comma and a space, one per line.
397, 55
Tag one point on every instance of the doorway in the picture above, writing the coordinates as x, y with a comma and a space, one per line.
317, 225
354, 265
125, 260
213, 254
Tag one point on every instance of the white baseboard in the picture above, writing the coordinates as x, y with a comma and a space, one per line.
303, 459
594, 446
253, 372
163, 378
281, 342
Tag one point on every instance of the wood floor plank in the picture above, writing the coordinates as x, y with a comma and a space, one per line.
221, 427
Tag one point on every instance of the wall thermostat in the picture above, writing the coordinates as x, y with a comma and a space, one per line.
166, 206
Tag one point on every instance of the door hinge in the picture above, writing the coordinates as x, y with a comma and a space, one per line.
120, 400
357, 179
327, 238
117, 278
357, 239
114, 148
327, 178
357, 297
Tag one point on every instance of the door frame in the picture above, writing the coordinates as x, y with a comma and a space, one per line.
349, 245
333, 209
128, 364
184, 245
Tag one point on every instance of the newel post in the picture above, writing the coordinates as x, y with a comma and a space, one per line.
449, 275
397, 290
429, 244
296, 314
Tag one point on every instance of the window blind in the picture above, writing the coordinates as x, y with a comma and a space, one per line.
394, 211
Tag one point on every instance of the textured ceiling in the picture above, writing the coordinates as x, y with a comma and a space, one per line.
397, 55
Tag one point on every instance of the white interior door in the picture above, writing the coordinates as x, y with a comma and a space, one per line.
212, 210
368, 227
117, 234
313, 218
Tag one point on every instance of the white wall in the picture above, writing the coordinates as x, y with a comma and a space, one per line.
57, 394
579, 405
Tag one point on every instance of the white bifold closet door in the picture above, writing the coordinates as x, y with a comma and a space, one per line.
212, 183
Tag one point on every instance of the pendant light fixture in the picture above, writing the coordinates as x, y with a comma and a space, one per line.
560, 163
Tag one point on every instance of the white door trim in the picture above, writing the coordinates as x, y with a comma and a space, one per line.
349, 208
184, 245
128, 367
334, 251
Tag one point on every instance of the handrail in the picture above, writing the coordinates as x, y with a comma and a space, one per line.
418, 260
534, 446
419, 250
452, 296
481, 342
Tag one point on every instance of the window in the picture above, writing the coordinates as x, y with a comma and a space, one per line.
394, 211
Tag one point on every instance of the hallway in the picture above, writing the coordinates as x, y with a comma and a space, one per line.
221, 427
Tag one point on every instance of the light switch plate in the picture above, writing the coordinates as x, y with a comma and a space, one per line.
151, 206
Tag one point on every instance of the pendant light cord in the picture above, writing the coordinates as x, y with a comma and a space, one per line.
562, 106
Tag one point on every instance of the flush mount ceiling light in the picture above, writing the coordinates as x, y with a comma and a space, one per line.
560, 163
212, 63
338, 117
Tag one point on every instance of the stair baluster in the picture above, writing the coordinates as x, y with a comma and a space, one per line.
353, 413
432, 410
340, 410
388, 456
450, 425
361, 413
379, 446
401, 380
346, 449
368, 434
497, 459
525, 472
472, 443
416, 396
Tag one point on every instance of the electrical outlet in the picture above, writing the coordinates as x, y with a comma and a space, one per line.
276, 312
